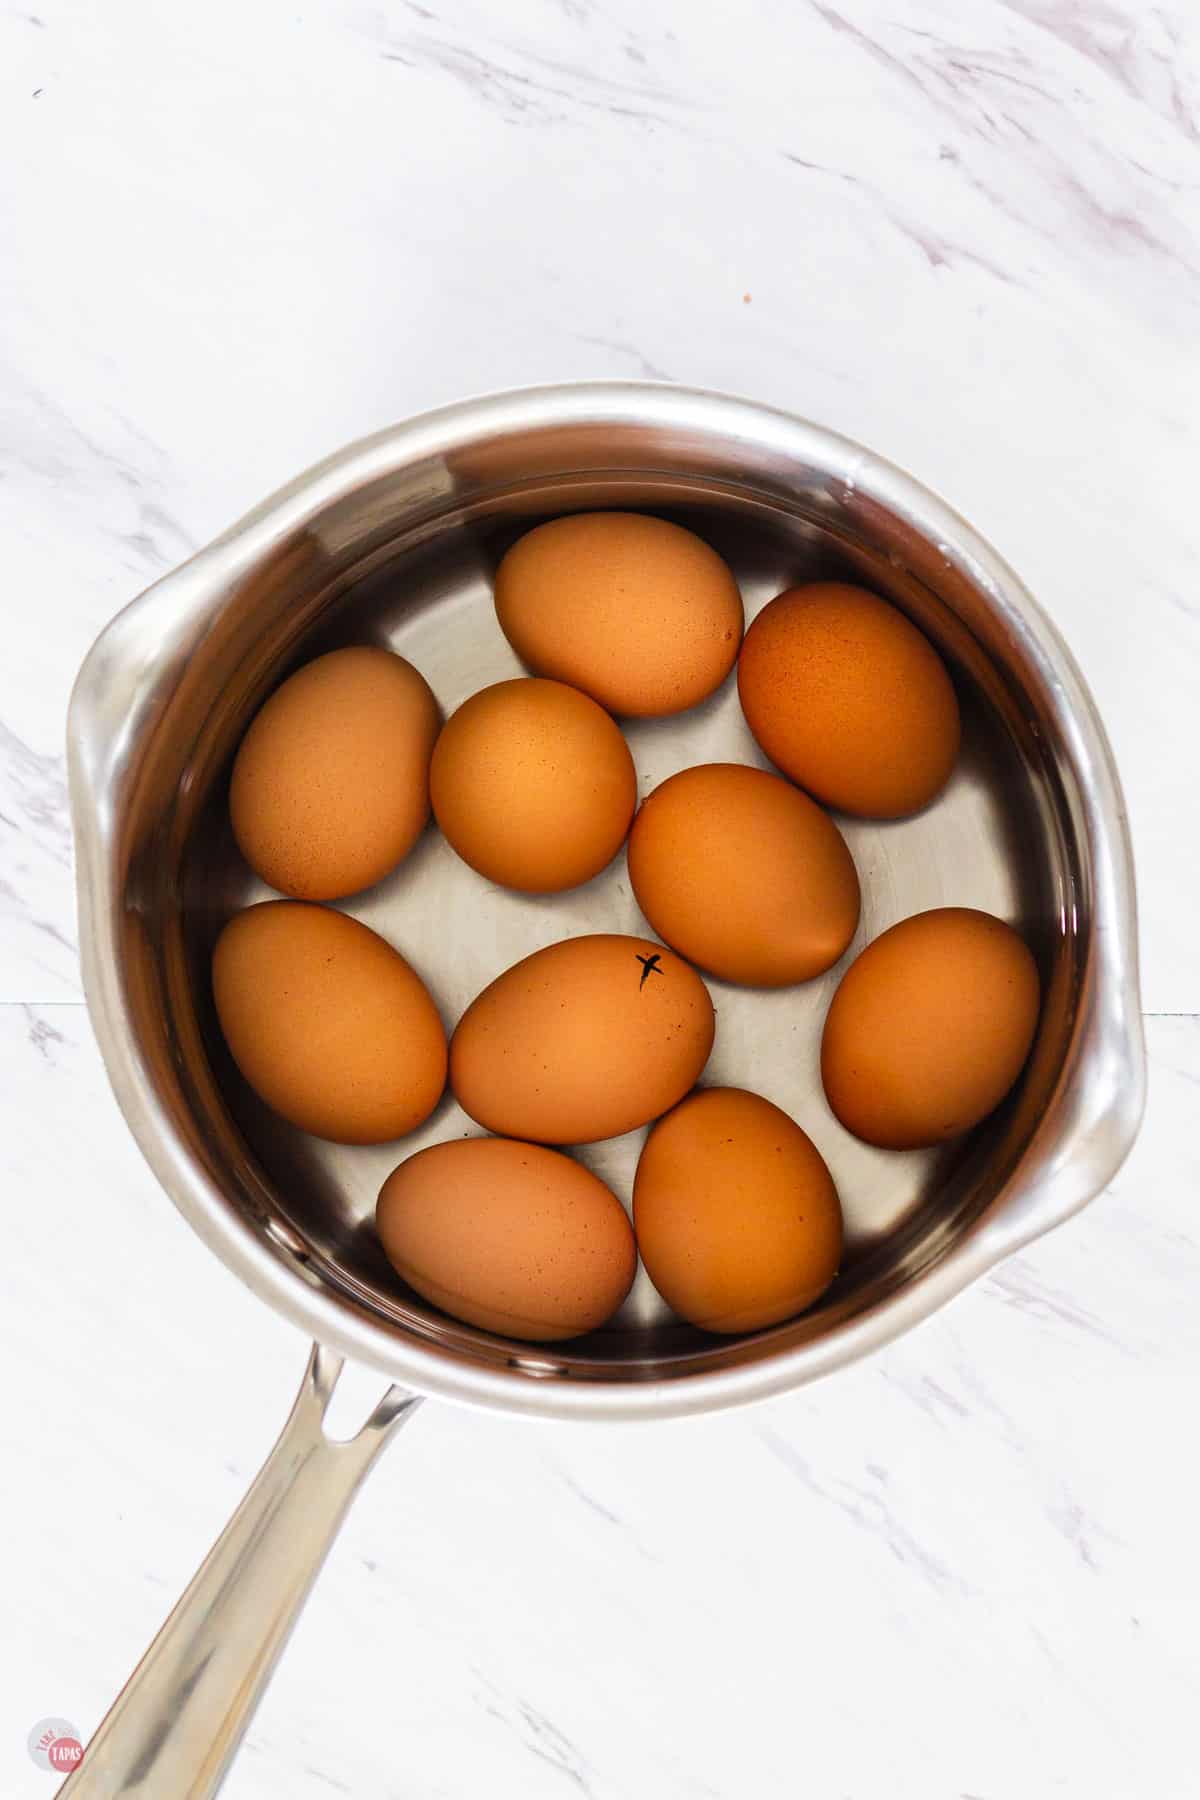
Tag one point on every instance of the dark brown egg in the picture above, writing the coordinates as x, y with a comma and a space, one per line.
849, 700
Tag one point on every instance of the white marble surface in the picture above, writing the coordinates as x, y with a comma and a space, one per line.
233, 238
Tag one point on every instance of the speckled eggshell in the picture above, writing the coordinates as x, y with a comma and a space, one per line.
641, 614
737, 1218
929, 1028
848, 698
328, 1024
330, 786
744, 875
508, 1236
583, 1040
533, 785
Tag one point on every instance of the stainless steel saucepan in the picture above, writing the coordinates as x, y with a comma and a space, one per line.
394, 541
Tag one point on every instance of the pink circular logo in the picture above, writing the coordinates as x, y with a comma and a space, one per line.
65, 1753
55, 1744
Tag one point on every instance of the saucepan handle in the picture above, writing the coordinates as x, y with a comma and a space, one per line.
176, 1725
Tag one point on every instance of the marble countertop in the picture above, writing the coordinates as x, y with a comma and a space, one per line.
969, 235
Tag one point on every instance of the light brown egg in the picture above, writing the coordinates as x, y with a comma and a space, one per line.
736, 1215
328, 1023
586, 1039
929, 1028
639, 613
330, 787
533, 785
512, 1237
742, 874
849, 699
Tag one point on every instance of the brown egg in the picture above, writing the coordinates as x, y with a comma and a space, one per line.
744, 875
586, 1039
511, 1237
640, 614
330, 786
736, 1215
533, 785
929, 1028
328, 1023
848, 698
